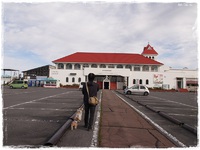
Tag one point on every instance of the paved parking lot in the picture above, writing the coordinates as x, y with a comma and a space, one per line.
31, 116
182, 106
179, 106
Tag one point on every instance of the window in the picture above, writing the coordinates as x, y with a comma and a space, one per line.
142, 87
68, 66
77, 66
79, 79
147, 81
136, 68
120, 79
145, 68
73, 79
85, 66
67, 79
134, 81
128, 67
113, 79
149, 48
140, 81
102, 66
119, 66
154, 68
135, 87
94, 66
111, 66
60, 66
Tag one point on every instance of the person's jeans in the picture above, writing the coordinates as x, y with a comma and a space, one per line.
89, 115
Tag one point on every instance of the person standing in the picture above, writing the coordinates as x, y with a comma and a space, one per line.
89, 109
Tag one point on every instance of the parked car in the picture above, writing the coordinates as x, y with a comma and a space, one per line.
137, 89
19, 84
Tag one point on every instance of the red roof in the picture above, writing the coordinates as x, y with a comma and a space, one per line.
116, 58
149, 50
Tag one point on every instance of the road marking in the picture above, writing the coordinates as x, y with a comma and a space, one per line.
34, 120
173, 101
174, 108
155, 124
182, 115
7, 94
48, 109
36, 100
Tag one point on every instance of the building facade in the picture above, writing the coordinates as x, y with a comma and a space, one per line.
117, 70
40, 76
39, 71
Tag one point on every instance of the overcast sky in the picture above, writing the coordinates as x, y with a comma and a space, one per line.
35, 34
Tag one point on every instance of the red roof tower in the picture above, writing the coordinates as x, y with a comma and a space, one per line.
149, 52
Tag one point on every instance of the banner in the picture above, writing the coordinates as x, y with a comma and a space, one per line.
158, 78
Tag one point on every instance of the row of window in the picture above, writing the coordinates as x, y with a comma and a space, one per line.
135, 81
135, 68
150, 57
140, 81
73, 79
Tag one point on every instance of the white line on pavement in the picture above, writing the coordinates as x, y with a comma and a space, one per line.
173, 101
155, 124
36, 100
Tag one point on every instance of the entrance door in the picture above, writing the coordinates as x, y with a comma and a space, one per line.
106, 85
179, 83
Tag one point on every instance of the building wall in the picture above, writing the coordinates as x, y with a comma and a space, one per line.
163, 77
66, 77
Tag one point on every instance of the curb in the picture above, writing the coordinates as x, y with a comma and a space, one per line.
55, 138
165, 115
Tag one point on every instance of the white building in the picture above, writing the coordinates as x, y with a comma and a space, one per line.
116, 70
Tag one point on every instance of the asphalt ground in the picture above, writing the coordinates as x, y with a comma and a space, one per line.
181, 107
115, 133
31, 116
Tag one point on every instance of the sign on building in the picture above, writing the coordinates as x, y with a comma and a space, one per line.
158, 78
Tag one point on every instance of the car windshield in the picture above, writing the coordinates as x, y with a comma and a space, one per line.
135, 87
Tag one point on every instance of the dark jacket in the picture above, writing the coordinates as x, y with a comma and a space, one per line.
93, 89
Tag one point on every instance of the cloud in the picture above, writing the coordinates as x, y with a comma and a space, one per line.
49, 31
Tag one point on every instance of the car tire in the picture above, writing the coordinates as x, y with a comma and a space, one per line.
146, 93
11, 87
128, 92
22, 87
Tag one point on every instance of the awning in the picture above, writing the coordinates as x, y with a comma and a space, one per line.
191, 82
47, 79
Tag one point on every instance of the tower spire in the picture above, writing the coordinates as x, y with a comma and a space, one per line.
149, 52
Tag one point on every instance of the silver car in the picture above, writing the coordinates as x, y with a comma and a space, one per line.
137, 89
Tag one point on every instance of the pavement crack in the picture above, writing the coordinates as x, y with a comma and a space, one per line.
157, 140
110, 109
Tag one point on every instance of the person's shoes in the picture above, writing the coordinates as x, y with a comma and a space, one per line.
89, 128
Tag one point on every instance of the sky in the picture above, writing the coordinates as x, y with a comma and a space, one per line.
34, 34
